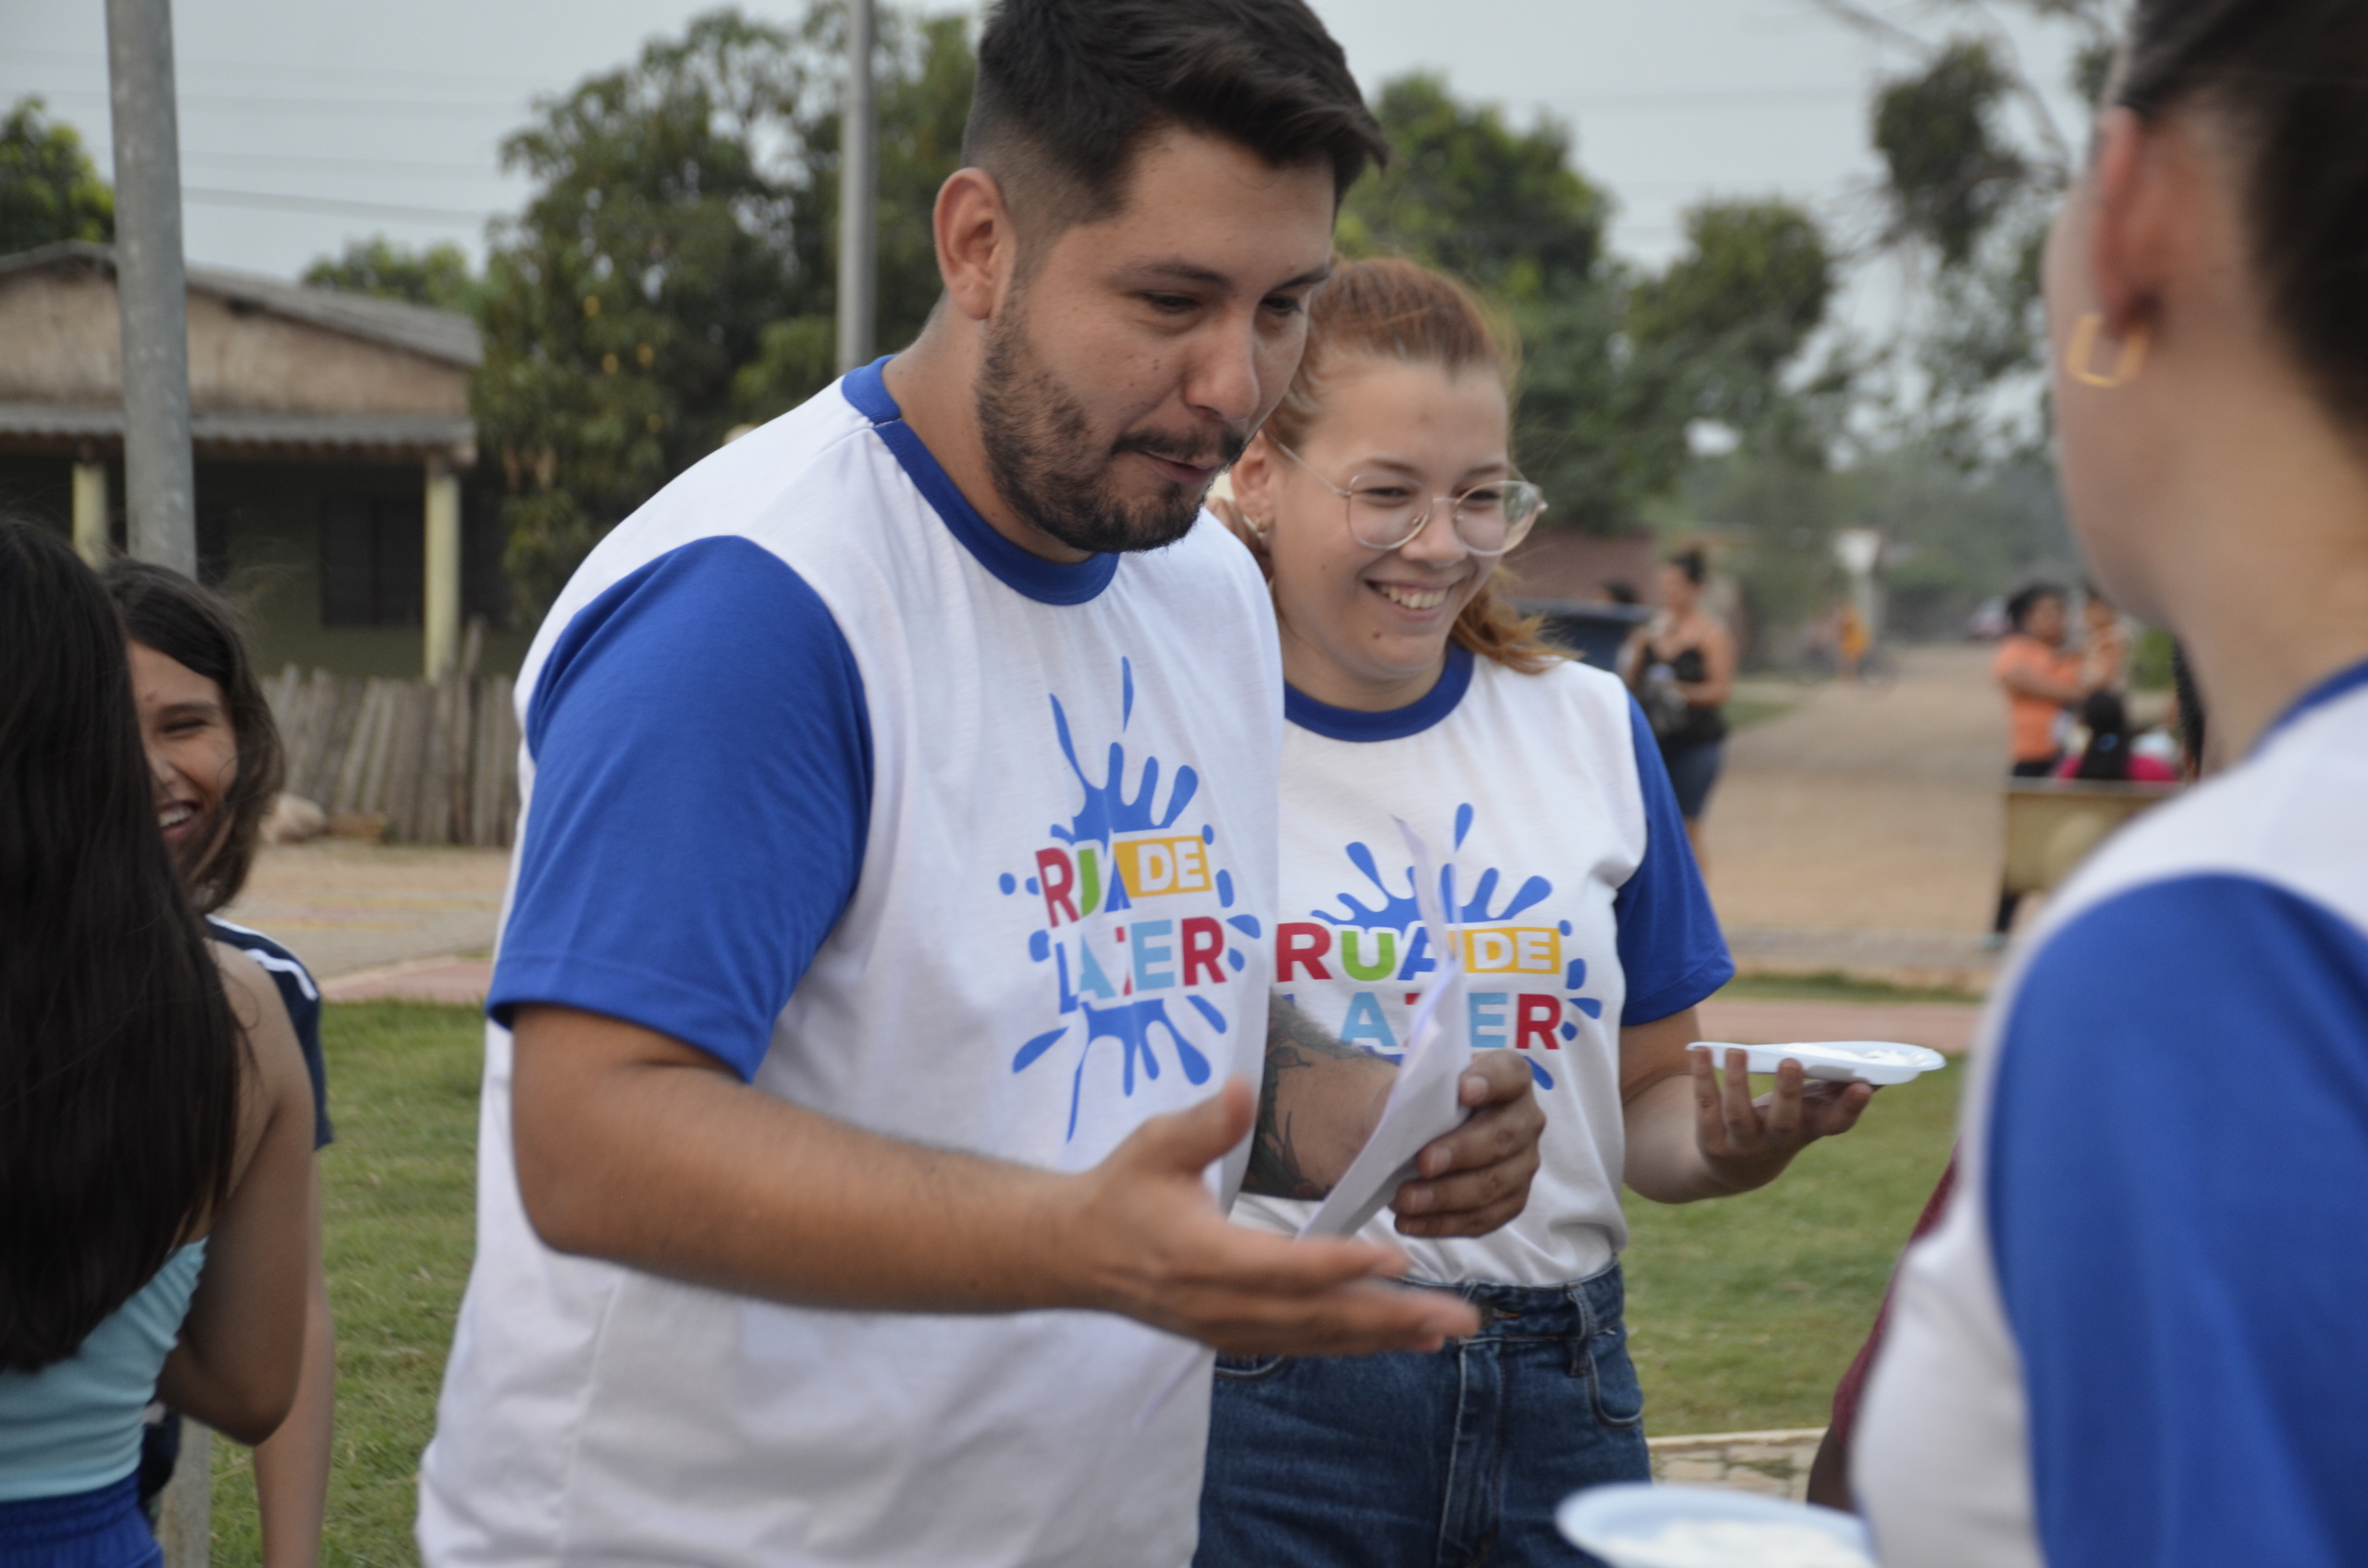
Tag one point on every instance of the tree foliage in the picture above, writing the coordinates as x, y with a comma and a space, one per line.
438, 276
673, 274
1949, 171
49, 191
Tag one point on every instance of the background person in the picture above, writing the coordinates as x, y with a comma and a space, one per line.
214, 753
2105, 644
898, 843
1690, 641
154, 1121
2110, 755
2042, 677
2136, 1338
1381, 496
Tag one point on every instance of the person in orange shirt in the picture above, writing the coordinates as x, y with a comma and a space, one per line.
2041, 679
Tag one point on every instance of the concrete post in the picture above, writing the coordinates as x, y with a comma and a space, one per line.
858, 194
442, 608
185, 1509
159, 481
92, 532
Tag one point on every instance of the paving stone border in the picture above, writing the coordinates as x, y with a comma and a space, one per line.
1771, 1463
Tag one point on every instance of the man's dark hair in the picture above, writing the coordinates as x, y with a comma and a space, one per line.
2029, 598
1069, 90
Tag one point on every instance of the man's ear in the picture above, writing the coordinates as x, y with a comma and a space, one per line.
976, 247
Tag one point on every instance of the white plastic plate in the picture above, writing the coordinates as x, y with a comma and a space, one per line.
1837, 1061
1633, 1525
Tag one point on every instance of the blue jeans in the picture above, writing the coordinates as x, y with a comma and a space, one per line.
100, 1529
1451, 1459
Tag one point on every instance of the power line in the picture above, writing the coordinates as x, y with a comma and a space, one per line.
259, 67
330, 203
395, 168
259, 104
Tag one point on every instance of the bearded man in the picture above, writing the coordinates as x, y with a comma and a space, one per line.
882, 976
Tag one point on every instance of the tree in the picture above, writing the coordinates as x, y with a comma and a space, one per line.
437, 276
1504, 210
673, 275
49, 191
1974, 160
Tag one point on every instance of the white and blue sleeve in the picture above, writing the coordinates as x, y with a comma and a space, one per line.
701, 792
1670, 948
2177, 1150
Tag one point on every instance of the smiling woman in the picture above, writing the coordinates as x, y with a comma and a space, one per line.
1380, 496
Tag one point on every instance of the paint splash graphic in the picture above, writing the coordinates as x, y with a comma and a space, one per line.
1374, 946
1110, 808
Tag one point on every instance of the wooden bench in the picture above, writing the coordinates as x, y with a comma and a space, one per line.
2052, 823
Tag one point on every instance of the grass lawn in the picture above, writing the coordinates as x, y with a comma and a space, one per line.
1833, 986
398, 1206
1743, 1312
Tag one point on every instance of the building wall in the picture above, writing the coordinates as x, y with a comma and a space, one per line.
259, 534
64, 334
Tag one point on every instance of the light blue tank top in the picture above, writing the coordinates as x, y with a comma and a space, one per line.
74, 1426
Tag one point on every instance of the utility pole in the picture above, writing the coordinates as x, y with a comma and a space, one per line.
158, 481
858, 194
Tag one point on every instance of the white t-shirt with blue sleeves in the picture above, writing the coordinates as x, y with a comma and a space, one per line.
926, 834
2138, 1339
1568, 881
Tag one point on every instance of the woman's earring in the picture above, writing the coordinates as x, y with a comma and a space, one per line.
2082, 350
1255, 526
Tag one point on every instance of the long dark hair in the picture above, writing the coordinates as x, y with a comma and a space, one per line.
119, 1059
196, 627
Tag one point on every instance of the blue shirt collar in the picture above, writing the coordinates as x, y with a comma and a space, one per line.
1048, 582
1389, 724
2342, 683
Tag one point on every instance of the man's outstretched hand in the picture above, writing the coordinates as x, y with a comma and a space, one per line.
1477, 1177
1148, 1240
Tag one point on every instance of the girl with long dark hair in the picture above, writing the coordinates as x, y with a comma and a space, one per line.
2136, 1337
216, 764
155, 1167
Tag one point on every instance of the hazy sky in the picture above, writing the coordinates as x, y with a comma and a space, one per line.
304, 123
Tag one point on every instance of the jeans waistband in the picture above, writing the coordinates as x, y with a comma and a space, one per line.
1579, 1308
103, 1523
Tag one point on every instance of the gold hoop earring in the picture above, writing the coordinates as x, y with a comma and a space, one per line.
1255, 526
2080, 353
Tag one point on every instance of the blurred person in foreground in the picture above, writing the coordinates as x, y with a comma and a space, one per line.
214, 752
156, 1159
886, 968
1380, 496
2136, 1339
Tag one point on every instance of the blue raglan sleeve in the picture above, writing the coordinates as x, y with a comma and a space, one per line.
2177, 1151
1670, 948
703, 781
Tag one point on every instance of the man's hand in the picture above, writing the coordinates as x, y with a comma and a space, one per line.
1747, 1143
1154, 1247
1477, 1177
643, 1150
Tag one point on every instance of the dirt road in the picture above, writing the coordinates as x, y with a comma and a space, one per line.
1861, 831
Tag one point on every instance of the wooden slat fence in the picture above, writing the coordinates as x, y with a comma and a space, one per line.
438, 761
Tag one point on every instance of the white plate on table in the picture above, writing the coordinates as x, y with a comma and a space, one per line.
1634, 1525
1837, 1061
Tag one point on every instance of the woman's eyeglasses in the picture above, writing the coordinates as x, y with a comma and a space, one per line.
1386, 512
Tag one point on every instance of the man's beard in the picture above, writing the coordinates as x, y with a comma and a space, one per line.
1040, 450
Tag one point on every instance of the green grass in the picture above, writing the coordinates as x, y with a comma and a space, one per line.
1833, 986
399, 1221
1744, 712
1743, 1313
